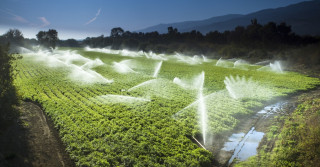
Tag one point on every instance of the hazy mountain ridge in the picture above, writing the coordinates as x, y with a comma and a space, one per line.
304, 18
190, 25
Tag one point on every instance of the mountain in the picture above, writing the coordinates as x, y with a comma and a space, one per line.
190, 25
303, 17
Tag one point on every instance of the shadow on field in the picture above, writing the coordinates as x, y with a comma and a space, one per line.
31, 140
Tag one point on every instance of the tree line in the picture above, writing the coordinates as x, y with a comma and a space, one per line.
253, 36
14, 38
255, 40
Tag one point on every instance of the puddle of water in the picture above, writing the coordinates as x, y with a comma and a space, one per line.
244, 146
271, 109
233, 141
250, 146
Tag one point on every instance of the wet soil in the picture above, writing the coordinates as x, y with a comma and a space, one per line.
261, 122
31, 140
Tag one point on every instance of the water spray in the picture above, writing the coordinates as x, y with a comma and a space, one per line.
157, 70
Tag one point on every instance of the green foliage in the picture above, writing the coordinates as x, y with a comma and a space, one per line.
48, 38
8, 96
238, 42
13, 36
102, 132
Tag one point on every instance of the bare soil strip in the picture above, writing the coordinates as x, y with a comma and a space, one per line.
32, 141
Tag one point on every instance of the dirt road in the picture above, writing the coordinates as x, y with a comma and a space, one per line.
31, 140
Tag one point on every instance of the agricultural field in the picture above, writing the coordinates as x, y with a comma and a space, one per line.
124, 108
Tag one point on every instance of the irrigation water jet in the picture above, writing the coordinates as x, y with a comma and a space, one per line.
142, 84
240, 88
91, 64
240, 64
157, 70
190, 60
224, 63
275, 67
66, 58
202, 108
196, 60
128, 53
262, 62
218, 62
151, 55
232, 85
205, 59
24, 50
193, 84
88, 76
102, 50
181, 83
198, 82
122, 67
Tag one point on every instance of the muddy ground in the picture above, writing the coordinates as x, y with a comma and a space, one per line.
31, 140
261, 124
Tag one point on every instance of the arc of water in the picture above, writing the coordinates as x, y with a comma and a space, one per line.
157, 70
142, 84
202, 110
276, 66
218, 62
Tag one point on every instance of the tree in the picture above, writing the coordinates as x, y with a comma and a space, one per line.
172, 30
14, 37
68, 43
72, 43
283, 29
8, 96
254, 21
41, 36
48, 38
270, 35
116, 32
53, 37
253, 33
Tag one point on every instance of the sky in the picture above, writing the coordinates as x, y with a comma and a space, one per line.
79, 19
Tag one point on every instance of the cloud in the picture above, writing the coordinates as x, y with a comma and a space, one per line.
20, 19
93, 19
16, 17
44, 21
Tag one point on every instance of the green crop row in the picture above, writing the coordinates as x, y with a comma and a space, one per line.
100, 131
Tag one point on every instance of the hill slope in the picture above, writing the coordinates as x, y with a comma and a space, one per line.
190, 25
303, 17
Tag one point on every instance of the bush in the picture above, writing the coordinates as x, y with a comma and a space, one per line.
8, 96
